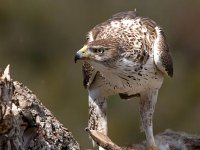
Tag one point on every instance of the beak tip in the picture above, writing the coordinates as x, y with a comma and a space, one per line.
75, 60
77, 57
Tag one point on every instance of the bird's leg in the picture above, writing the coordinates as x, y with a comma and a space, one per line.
147, 107
97, 112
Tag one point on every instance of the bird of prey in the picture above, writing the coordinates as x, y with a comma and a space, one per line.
126, 55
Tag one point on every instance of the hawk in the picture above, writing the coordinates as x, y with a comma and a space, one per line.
126, 55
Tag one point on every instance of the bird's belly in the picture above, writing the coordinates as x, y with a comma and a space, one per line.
133, 82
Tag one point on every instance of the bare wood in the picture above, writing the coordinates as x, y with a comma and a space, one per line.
102, 140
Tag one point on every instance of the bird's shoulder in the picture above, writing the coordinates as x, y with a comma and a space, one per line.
148, 39
137, 35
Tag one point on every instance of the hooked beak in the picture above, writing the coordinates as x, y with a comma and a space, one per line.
81, 54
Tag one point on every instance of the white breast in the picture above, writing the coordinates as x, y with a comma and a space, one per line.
131, 77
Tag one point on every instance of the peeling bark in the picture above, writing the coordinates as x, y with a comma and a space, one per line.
25, 123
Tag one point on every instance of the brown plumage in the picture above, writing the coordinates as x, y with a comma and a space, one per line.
126, 55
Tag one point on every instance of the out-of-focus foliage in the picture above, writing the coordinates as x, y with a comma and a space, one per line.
39, 39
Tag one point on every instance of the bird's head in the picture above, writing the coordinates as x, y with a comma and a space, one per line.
99, 51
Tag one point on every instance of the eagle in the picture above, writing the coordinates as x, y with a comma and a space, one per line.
127, 55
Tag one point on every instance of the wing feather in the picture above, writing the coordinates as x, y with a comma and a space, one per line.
162, 57
157, 42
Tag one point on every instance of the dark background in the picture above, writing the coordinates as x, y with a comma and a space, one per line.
39, 39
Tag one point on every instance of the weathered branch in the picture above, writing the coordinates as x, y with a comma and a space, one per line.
25, 123
168, 140
102, 140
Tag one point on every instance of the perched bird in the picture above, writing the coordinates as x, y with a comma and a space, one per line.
126, 55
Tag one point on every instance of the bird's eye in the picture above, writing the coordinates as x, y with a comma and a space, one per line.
101, 50
98, 50
87, 38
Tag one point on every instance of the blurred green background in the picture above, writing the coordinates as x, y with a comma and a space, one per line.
40, 37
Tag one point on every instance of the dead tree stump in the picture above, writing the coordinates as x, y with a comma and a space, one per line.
25, 123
